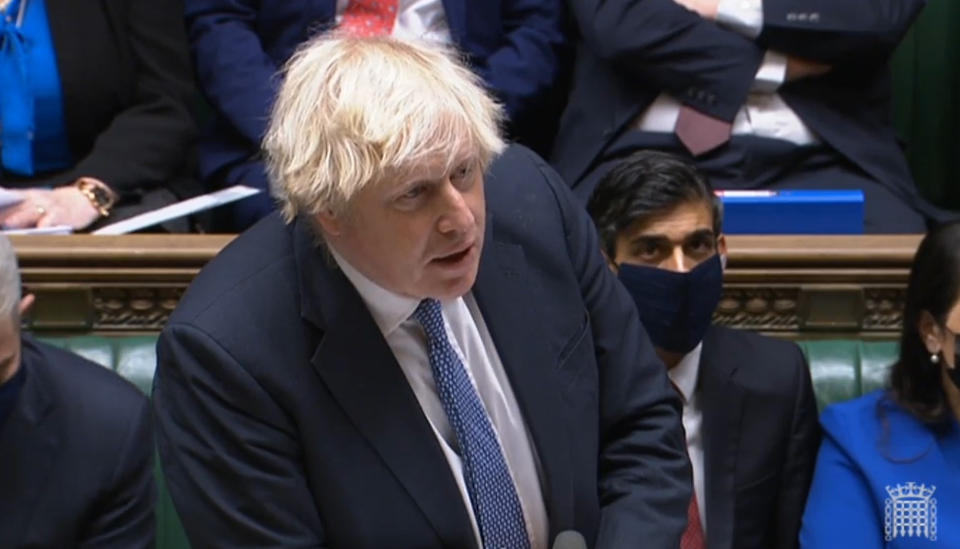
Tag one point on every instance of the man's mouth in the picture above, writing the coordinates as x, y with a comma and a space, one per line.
455, 257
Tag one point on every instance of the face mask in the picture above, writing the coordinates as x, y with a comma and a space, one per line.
675, 308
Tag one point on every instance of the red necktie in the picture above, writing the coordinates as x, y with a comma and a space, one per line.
693, 535
369, 17
701, 133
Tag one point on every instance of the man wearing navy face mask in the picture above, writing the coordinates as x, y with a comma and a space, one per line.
749, 412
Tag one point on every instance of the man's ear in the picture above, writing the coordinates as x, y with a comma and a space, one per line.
613, 266
722, 249
930, 332
329, 223
25, 303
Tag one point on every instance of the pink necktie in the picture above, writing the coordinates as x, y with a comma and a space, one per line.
369, 17
699, 132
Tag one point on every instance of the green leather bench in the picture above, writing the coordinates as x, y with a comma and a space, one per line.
841, 369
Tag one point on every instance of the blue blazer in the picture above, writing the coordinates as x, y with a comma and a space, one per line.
238, 46
878, 466
285, 421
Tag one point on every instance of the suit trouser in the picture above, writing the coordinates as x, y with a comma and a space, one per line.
749, 162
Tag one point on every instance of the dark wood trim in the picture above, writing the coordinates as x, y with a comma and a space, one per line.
792, 286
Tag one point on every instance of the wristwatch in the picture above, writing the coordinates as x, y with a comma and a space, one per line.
98, 194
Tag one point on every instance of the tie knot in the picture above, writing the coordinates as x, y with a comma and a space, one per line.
429, 315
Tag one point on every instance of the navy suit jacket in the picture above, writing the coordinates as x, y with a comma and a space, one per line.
239, 45
285, 421
760, 439
76, 457
633, 50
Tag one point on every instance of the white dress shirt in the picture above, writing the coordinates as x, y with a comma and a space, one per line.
416, 20
471, 340
764, 113
684, 376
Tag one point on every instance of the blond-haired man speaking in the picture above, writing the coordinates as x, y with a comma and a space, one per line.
424, 349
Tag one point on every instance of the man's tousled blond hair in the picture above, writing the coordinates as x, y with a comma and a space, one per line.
356, 111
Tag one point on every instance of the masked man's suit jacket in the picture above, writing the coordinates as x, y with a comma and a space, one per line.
284, 419
760, 439
633, 50
76, 457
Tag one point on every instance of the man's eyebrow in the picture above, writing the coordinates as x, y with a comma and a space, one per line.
647, 238
700, 233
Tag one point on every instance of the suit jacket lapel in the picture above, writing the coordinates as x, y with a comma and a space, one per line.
502, 293
28, 444
722, 411
358, 367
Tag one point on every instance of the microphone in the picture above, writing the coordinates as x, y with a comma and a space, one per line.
569, 539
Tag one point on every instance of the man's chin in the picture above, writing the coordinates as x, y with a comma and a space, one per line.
452, 288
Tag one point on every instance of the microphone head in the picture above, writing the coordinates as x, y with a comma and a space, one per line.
569, 539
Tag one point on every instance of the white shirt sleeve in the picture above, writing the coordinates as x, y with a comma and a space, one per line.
771, 74
743, 16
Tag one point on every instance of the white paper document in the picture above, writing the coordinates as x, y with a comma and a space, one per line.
180, 209
54, 229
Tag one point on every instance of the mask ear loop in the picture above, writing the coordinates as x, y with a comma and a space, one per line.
723, 261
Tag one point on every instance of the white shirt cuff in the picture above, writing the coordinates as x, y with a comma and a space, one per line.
771, 74
743, 16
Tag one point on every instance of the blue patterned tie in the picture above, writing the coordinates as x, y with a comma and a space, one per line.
492, 493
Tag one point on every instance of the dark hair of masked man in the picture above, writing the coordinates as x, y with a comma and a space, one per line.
749, 411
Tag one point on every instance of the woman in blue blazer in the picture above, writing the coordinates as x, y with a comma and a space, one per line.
888, 473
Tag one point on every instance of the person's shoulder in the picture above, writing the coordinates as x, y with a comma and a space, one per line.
79, 385
776, 364
866, 421
245, 274
519, 172
752, 343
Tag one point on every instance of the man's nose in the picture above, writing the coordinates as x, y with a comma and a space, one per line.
678, 261
456, 215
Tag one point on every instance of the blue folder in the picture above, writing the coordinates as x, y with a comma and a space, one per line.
792, 212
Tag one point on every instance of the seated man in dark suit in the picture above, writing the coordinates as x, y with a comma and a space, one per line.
424, 348
763, 94
516, 46
749, 410
76, 446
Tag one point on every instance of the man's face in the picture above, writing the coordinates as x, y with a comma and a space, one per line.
418, 235
677, 240
9, 347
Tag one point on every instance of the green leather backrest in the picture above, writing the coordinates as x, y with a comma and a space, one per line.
841, 369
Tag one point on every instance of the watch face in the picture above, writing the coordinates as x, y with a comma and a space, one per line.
102, 197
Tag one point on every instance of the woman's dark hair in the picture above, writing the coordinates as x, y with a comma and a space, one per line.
646, 184
934, 287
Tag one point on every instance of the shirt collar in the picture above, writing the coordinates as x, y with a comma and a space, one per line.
684, 375
389, 309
